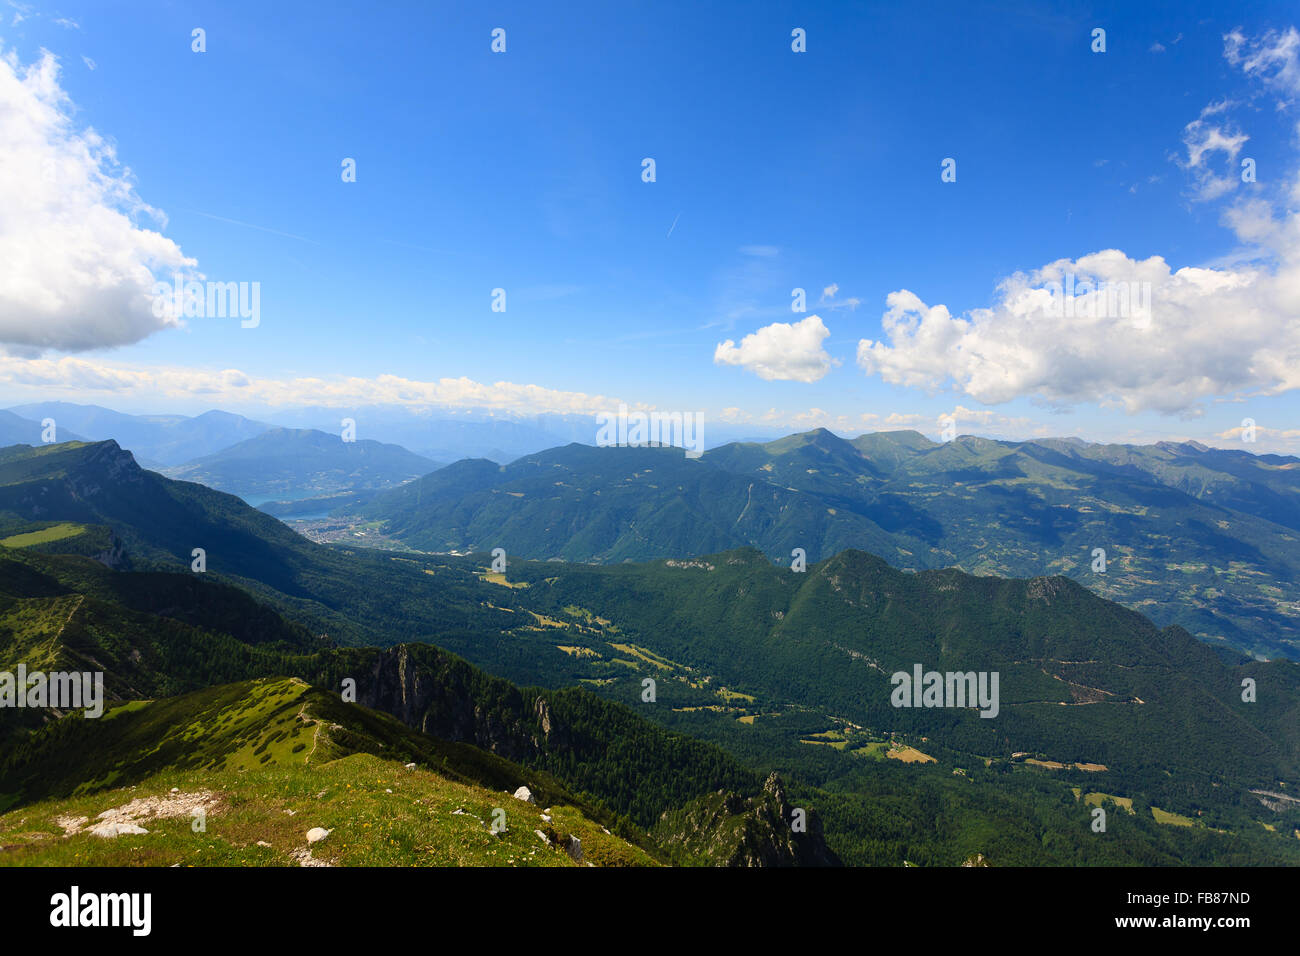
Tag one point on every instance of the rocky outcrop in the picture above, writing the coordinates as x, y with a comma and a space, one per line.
107, 465
573, 846
114, 556
727, 829
555, 735
433, 693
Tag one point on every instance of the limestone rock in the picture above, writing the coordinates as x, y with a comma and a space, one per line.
113, 830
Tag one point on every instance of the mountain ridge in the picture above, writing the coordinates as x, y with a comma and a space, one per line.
1218, 557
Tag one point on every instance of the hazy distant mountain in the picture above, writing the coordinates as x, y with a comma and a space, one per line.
1202, 538
1267, 486
292, 463
450, 434
19, 430
439, 434
436, 433
154, 439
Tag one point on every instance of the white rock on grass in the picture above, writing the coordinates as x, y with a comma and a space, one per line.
316, 834
524, 794
112, 830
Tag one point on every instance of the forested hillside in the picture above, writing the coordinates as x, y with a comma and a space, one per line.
1201, 538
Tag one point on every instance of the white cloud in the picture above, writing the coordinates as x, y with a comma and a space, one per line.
828, 299
1273, 59
1284, 441
85, 379
76, 271
783, 350
1208, 332
1201, 137
90, 64
1206, 138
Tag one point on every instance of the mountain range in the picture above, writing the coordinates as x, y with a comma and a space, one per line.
1203, 538
297, 463
159, 440
754, 667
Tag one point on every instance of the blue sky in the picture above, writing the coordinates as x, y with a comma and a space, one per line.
522, 170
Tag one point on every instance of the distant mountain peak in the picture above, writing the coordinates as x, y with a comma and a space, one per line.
821, 439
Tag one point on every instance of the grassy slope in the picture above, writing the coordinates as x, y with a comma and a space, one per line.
76, 621
276, 758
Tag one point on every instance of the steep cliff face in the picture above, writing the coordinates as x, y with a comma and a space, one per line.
106, 465
443, 702
440, 695
726, 829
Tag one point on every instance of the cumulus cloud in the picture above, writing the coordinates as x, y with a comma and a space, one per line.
1206, 332
1135, 334
781, 351
76, 270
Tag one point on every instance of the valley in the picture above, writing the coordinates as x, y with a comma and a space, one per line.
753, 668
1202, 538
